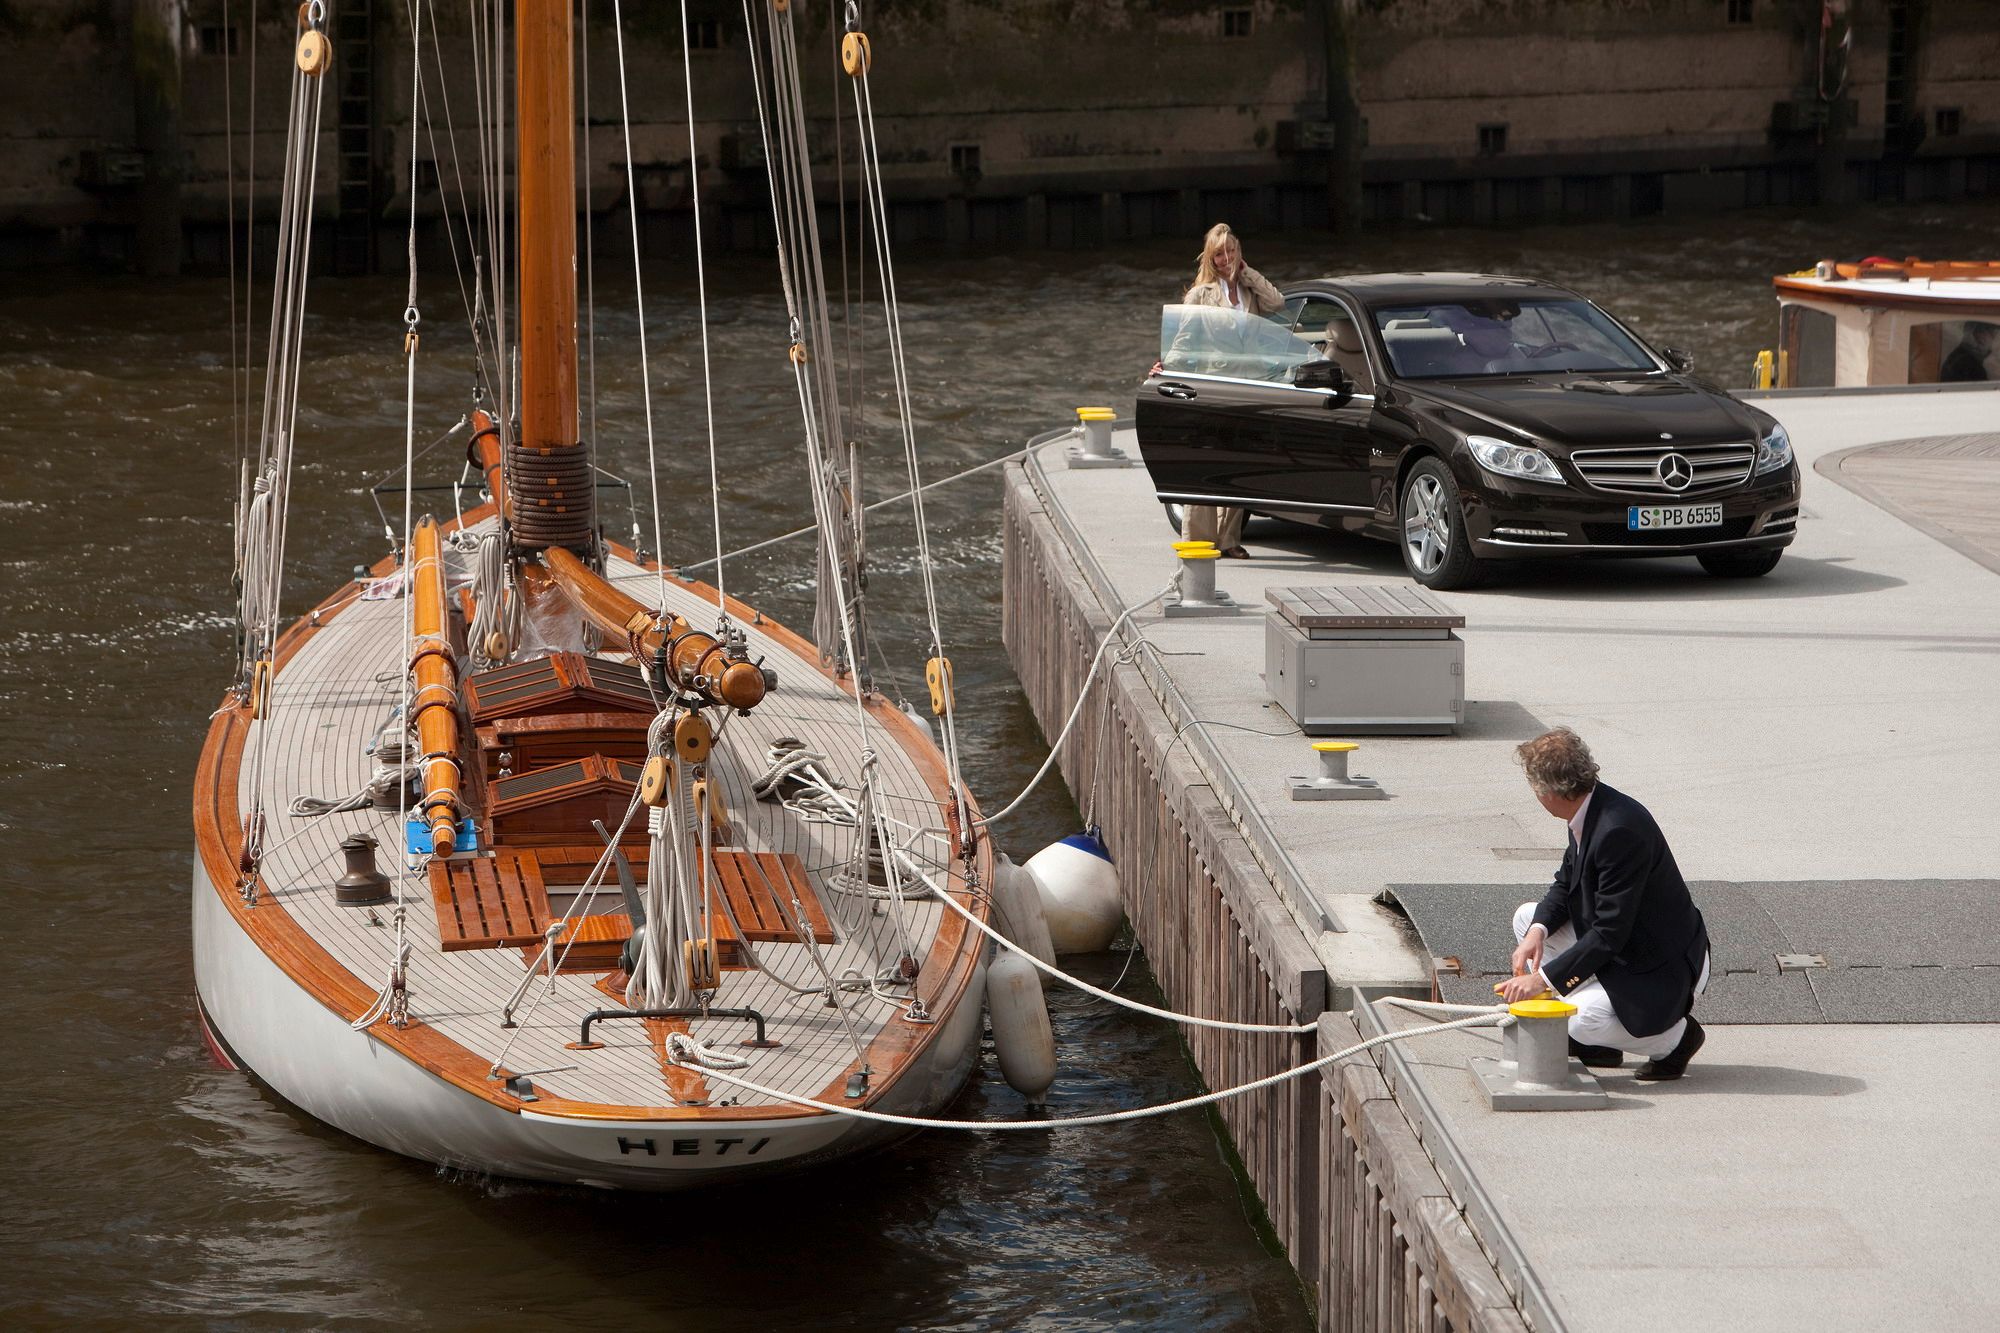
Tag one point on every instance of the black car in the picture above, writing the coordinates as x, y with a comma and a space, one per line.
1469, 418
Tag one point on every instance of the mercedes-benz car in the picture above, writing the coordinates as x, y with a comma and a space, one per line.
1470, 418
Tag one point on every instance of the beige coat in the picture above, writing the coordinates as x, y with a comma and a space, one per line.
1259, 296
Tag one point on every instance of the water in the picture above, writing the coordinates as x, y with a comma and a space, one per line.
139, 1181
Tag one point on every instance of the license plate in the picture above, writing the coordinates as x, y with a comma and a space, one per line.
1647, 518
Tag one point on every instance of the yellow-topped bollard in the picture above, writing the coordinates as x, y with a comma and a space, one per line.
1333, 782
1092, 445
1534, 1071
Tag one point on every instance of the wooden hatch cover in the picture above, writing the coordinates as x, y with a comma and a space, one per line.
511, 745
558, 683
554, 806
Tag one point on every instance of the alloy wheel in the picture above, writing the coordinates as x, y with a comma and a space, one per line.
1426, 524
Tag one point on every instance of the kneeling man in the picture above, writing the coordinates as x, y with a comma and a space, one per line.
1616, 935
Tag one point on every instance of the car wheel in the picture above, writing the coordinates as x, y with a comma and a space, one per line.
1436, 550
1176, 516
1741, 564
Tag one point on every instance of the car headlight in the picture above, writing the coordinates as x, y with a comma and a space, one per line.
1512, 460
1774, 450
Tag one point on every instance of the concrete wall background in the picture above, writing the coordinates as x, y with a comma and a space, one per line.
1075, 122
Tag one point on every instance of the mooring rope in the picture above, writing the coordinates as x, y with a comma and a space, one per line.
1106, 1117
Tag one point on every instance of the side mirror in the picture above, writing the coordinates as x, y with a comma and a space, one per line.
1319, 374
1676, 358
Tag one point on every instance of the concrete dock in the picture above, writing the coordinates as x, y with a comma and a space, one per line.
1822, 747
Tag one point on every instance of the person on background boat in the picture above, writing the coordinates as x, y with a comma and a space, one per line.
1967, 362
1222, 279
1617, 934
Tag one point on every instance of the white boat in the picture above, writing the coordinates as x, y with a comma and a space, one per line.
1884, 322
521, 855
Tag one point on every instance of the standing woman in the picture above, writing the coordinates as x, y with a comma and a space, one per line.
1223, 279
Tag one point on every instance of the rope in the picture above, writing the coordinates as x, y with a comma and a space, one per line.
1076, 710
897, 498
1434, 1007
1187, 1020
1108, 1117
684, 1050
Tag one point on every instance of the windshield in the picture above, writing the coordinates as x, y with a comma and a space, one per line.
1210, 340
1498, 337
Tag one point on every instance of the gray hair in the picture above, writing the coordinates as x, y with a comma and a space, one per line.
1558, 763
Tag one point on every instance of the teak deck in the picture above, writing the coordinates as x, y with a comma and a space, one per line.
328, 701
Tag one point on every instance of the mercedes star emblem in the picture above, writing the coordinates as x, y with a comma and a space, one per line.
1675, 472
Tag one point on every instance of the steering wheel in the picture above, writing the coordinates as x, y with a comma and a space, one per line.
1550, 349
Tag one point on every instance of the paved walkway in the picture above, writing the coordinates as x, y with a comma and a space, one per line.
1838, 721
1947, 486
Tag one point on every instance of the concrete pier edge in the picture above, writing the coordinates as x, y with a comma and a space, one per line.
1371, 1225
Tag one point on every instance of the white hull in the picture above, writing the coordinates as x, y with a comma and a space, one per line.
309, 1056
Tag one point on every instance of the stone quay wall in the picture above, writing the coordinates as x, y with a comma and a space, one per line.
1030, 123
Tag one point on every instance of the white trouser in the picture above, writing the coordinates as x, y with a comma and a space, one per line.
1594, 1023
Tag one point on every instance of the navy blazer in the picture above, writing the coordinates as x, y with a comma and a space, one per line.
1637, 929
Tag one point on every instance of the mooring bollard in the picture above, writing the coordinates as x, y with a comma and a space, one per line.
1534, 1071
1093, 447
1198, 595
1333, 782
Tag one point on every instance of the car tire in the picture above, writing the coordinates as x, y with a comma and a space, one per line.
1176, 517
1431, 530
1741, 564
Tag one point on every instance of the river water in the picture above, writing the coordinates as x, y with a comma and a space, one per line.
139, 1181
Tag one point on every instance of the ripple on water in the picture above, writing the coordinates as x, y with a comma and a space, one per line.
156, 1187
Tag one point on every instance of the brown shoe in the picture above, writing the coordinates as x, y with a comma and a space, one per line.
1235, 553
1675, 1063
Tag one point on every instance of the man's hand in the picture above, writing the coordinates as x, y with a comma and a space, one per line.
1515, 989
1528, 953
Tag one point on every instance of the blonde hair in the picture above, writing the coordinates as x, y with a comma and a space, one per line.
1218, 235
1558, 763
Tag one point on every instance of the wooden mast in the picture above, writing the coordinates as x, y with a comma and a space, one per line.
553, 488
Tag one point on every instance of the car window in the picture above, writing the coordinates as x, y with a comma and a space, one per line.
1312, 319
1504, 337
1209, 340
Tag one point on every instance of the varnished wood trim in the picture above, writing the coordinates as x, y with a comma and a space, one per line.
943, 981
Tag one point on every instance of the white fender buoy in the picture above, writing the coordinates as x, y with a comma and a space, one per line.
1022, 1037
1017, 911
1079, 890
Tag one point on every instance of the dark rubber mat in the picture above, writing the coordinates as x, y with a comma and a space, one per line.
1893, 951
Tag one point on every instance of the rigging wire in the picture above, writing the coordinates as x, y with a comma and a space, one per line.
639, 293
701, 291
392, 1001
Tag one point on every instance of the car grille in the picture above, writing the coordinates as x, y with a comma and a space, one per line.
1635, 469
1617, 534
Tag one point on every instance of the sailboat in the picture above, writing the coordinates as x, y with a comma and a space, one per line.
521, 853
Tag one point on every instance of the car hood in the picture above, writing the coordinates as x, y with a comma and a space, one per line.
1580, 410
